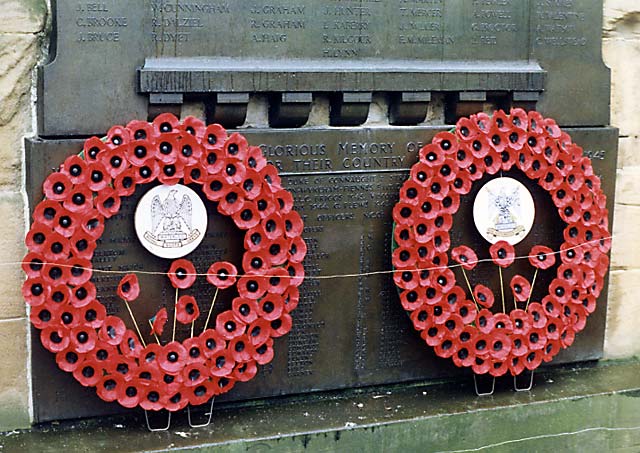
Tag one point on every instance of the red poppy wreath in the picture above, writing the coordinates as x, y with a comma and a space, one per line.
459, 322
98, 348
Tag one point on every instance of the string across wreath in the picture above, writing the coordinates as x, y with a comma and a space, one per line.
97, 348
461, 322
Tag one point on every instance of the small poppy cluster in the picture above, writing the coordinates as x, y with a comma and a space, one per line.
471, 335
98, 348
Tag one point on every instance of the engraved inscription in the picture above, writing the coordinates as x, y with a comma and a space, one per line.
492, 20
347, 29
272, 24
176, 22
95, 23
559, 23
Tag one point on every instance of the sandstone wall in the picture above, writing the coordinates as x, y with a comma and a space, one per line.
22, 31
621, 50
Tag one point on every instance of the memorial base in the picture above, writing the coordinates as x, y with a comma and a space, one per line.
593, 407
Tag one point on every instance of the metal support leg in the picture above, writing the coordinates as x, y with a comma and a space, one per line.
526, 389
210, 413
146, 416
493, 386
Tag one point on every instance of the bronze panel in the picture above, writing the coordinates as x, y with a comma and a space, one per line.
347, 332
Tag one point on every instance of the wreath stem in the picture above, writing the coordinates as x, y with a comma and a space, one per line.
135, 324
206, 323
470, 290
175, 315
533, 282
504, 307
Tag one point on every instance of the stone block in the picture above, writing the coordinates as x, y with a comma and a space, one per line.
629, 152
12, 250
617, 12
622, 337
628, 186
14, 388
622, 56
625, 251
22, 16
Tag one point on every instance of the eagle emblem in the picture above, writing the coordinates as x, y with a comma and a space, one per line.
171, 225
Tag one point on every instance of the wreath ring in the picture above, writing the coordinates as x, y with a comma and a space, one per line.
456, 321
98, 349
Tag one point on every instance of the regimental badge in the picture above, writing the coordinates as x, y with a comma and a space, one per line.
503, 210
170, 221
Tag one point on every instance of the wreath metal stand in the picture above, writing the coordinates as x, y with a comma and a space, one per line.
523, 389
166, 428
210, 413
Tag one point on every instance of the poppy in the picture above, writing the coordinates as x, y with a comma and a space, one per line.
140, 151
465, 256
499, 367
297, 250
173, 399
35, 291
228, 326
499, 346
444, 280
498, 139
245, 310
117, 136
536, 338
182, 273
66, 223
520, 320
190, 150
570, 254
34, 265
483, 295
551, 349
108, 202
502, 253
71, 319
241, 349
148, 171
173, 358
538, 317
266, 204
232, 202
68, 360
277, 251
197, 395
130, 394
406, 278
166, 123
541, 257
195, 174
277, 280
453, 324
532, 359
93, 314
222, 363
54, 338
125, 183
421, 174
449, 169
433, 335
82, 339
480, 147
412, 299
466, 129
187, 309
521, 288
80, 200
57, 274
171, 174
481, 366
194, 374
281, 326
270, 175
519, 344
54, 246
233, 171
130, 346
80, 271
432, 155
167, 150
503, 322
264, 353
93, 147
485, 321
463, 357
57, 186
467, 311
88, 374
115, 160
43, 316
37, 238
536, 144
195, 349
212, 342
158, 321
193, 126
98, 176
222, 274
271, 307
129, 288
141, 130
83, 295
447, 348
446, 141
441, 311
284, 200
112, 331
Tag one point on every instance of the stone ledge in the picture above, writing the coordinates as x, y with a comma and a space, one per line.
568, 408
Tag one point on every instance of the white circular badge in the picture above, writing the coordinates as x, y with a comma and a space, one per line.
170, 221
504, 210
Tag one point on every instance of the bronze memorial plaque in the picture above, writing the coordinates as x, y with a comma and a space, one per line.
429, 61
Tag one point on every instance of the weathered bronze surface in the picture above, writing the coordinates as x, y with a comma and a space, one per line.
349, 331
103, 51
